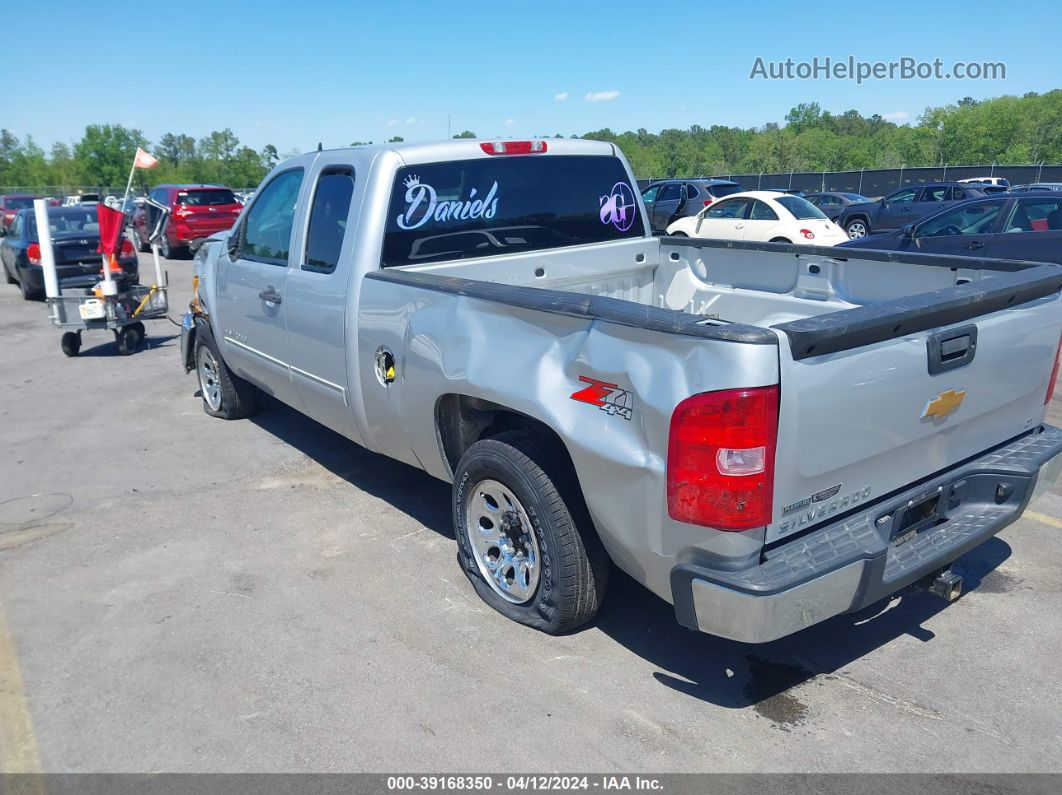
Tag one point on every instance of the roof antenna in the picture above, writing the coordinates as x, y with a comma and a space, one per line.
319, 147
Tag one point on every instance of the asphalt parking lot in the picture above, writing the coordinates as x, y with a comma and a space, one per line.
179, 593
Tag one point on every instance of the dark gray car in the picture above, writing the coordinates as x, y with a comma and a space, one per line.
832, 202
903, 207
670, 199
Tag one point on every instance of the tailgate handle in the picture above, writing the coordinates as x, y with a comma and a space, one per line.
949, 350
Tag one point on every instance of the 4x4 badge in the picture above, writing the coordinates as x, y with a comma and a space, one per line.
607, 397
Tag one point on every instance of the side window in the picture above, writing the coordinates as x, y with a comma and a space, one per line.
974, 218
1041, 215
16, 227
649, 194
732, 208
900, 196
761, 211
691, 191
266, 234
670, 192
935, 194
328, 220
958, 194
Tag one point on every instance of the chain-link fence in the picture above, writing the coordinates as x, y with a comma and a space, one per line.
876, 182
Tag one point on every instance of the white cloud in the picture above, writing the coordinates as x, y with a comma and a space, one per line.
411, 120
393, 122
510, 122
561, 96
897, 116
601, 96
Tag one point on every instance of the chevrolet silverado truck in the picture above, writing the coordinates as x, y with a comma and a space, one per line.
764, 435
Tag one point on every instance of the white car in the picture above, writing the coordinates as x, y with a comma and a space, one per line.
1001, 182
761, 215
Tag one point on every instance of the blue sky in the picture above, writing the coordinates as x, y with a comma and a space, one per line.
296, 73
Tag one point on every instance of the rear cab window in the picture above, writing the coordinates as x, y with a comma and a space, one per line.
206, 197
507, 205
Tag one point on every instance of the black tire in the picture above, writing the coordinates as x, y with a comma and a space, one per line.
143, 246
129, 338
236, 398
679, 234
573, 565
7, 275
780, 240
70, 342
28, 294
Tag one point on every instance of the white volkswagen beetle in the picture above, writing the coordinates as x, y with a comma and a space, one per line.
762, 215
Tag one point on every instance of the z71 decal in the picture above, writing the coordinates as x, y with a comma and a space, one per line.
607, 397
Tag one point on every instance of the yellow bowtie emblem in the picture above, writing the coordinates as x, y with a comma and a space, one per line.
943, 404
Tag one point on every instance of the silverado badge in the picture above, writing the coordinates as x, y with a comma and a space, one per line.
943, 404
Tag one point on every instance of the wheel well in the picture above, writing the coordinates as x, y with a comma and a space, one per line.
862, 218
461, 421
779, 240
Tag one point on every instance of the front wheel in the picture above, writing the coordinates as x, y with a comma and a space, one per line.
524, 537
224, 393
70, 342
678, 234
857, 229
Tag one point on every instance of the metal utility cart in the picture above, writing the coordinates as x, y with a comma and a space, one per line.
122, 313
110, 304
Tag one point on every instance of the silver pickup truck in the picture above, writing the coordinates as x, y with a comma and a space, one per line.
764, 435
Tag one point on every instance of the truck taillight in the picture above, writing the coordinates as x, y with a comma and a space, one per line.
1054, 374
720, 458
513, 147
33, 253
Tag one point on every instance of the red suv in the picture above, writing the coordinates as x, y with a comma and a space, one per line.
10, 205
196, 213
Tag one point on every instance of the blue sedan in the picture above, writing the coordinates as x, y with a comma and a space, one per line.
75, 241
1005, 226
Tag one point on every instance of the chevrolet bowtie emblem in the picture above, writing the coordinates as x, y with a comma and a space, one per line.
943, 404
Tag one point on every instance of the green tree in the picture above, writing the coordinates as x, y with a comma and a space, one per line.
105, 153
465, 134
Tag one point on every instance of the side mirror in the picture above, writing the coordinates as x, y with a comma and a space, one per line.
908, 231
232, 243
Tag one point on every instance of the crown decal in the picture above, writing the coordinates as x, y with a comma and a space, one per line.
411, 181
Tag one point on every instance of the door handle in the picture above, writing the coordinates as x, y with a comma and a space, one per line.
270, 295
974, 245
739, 226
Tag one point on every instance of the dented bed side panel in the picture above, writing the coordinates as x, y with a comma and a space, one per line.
628, 380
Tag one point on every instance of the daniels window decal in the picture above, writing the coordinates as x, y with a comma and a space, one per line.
422, 204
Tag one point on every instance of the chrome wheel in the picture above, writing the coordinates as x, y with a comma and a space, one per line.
856, 230
503, 540
209, 383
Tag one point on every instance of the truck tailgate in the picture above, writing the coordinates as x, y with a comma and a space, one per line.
901, 400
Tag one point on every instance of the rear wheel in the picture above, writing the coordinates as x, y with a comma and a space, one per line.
129, 338
27, 293
679, 234
857, 228
524, 536
224, 393
7, 275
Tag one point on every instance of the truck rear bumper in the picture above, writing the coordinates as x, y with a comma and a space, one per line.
864, 557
